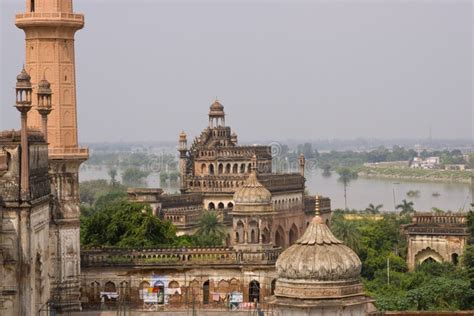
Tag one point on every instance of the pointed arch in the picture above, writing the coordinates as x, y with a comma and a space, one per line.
293, 234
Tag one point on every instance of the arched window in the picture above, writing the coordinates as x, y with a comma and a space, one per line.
249, 167
211, 169
454, 259
242, 168
227, 168
253, 232
254, 291
32, 6
220, 206
265, 236
159, 288
279, 239
239, 232
205, 292
230, 205
211, 206
109, 287
293, 235
203, 168
235, 168
221, 168
272, 287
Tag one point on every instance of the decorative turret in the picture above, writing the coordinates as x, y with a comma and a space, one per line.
23, 105
183, 142
183, 160
233, 138
216, 115
302, 162
44, 105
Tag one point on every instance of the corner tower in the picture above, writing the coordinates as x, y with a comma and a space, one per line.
50, 26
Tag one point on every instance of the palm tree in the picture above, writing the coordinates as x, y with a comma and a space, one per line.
210, 225
113, 175
372, 209
345, 176
406, 208
348, 232
326, 169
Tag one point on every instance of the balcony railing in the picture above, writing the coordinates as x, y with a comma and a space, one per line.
50, 16
176, 257
68, 151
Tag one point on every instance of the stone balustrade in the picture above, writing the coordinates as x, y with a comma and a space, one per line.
49, 16
439, 231
439, 219
263, 152
175, 257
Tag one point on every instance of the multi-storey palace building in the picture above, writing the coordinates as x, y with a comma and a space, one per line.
264, 212
214, 168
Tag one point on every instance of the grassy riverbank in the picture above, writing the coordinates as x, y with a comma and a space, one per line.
457, 176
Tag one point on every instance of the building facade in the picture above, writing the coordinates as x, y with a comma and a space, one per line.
40, 250
215, 167
436, 237
50, 26
264, 212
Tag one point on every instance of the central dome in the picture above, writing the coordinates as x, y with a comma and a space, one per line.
318, 256
252, 192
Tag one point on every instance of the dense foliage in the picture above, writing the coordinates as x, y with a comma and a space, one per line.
134, 177
92, 191
109, 220
124, 224
380, 243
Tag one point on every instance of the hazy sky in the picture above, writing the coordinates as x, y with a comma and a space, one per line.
282, 69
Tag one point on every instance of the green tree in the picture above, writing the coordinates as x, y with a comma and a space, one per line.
133, 177
372, 209
91, 191
326, 169
163, 177
211, 230
347, 231
113, 175
406, 208
345, 176
120, 223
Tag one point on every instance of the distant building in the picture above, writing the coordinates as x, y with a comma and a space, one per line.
436, 237
428, 163
264, 212
215, 167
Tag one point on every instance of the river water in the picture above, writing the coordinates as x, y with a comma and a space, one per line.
360, 192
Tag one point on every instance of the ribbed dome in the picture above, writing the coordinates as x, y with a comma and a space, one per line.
23, 80
216, 109
23, 76
44, 84
252, 192
318, 256
44, 87
217, 106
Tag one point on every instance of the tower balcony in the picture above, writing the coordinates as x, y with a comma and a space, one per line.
75, 153
74, 20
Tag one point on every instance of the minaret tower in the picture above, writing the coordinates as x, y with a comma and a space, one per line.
50, 26
183, 160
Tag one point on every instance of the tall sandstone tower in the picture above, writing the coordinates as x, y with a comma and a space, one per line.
50, 26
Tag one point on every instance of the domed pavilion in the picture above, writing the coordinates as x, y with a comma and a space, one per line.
319, 275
